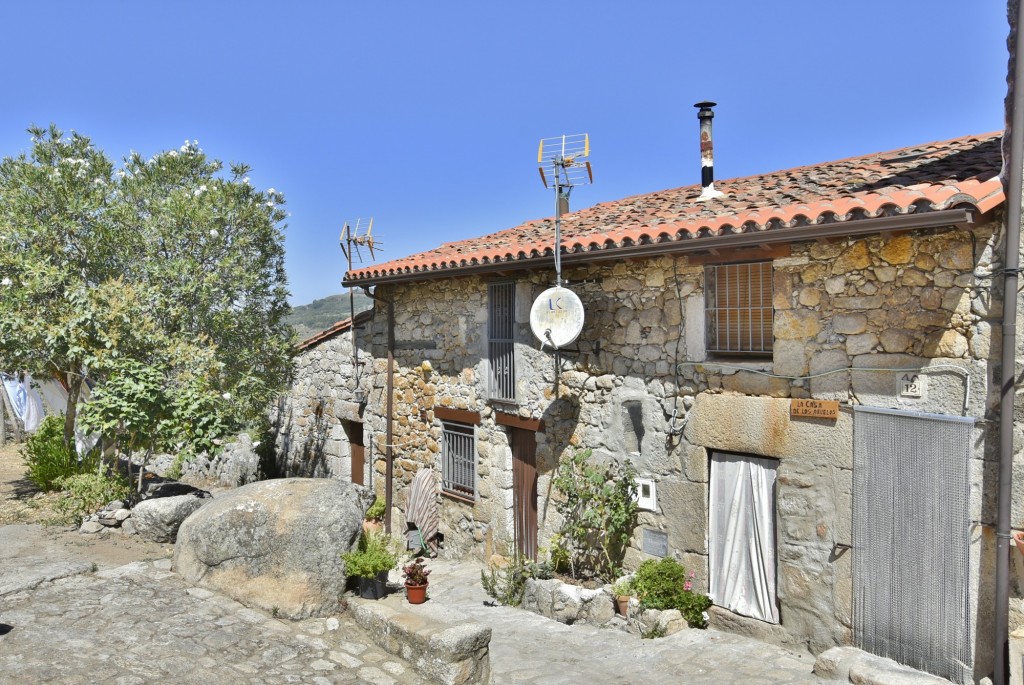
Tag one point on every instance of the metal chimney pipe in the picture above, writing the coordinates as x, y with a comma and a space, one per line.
707, 152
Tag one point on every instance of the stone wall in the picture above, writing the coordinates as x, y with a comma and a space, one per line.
309, 421
639, 385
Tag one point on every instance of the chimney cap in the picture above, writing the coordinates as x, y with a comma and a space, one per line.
705, 104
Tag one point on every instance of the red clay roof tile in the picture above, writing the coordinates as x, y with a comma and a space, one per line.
335, 329
917, 179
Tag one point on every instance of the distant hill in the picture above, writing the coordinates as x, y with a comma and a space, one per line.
310, 319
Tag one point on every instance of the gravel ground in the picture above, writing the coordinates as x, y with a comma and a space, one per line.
22, 503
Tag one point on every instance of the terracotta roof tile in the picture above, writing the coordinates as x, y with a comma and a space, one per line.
922, 178
335, 329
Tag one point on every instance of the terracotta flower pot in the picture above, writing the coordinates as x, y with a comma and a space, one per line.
622, 605
417, 594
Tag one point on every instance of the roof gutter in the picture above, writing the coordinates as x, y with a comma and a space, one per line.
1008, 363
839, 229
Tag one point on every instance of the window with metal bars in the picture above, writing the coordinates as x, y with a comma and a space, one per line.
738, 305
458, 459
501, 300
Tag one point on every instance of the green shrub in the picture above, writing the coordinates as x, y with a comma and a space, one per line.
373, 555
376, 510
86, 493
665, 585
599, 511
48, 458
507, 584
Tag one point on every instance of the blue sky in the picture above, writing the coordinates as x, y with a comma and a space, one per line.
426, 116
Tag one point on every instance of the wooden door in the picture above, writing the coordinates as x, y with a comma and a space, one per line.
355, 441
524, 490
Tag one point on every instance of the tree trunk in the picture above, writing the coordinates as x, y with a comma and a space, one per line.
142, 466
74, 387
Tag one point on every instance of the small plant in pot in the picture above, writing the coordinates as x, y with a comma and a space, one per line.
623, 590
370, 563
415, 573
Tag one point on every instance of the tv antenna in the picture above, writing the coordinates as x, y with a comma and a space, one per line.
564, 158
556, 317
351, 241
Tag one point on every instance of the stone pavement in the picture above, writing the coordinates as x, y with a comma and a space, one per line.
531, 649
140, 623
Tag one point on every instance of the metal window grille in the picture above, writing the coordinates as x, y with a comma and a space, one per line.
500, 344
738, 302
458, 459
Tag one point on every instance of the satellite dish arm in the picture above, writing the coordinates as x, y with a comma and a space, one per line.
547, 334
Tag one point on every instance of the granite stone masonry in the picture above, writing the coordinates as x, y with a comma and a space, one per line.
866, 286
640, 385
312, 422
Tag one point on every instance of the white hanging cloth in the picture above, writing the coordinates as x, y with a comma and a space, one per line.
33, 406
741, 531
16, 392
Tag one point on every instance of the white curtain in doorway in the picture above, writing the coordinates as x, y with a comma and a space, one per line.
741, 535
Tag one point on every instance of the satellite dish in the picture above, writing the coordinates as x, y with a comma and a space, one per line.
556, 317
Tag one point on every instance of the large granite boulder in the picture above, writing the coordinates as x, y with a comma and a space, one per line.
276, 544
237, 464
159, 517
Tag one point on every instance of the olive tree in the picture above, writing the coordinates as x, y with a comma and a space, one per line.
169, 261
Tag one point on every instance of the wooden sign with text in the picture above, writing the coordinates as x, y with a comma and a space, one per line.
814, 409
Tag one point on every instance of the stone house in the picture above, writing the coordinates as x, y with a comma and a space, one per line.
803, 371
318, 422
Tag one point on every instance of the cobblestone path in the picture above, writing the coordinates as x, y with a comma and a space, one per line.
140, 624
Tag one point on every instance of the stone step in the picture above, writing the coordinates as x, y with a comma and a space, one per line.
441, 643
857, 666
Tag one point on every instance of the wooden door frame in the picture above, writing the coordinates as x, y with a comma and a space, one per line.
523, 443
356, 456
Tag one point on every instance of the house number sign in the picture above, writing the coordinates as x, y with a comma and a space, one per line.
814, 409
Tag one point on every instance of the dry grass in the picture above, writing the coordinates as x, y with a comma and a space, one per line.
20, 500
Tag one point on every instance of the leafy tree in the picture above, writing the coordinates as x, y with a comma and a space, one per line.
145, 409
167, 262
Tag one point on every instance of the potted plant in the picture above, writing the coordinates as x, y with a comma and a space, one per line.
415, 574
370, 563
622, 590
